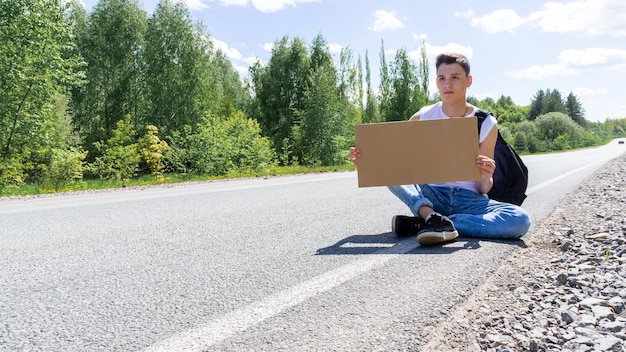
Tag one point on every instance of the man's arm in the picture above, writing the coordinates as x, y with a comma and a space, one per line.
485, 161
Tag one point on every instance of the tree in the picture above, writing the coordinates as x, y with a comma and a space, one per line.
554, 102
407, 94
327, 106
371, 113
575, 109
279, 91
385, 84
421, 91
36, 62
402, 82
537, 104
111, 49
179, 84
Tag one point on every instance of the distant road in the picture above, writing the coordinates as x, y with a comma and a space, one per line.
293, 263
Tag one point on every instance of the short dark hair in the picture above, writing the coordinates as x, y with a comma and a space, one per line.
451, 58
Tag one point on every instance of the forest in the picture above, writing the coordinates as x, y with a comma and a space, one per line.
114, 94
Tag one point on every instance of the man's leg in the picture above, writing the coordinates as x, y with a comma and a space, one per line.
478, 216
430, 227
412, 196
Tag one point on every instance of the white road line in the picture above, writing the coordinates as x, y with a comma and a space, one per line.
216, 331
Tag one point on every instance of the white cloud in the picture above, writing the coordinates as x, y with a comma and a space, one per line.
386, 20
265, 6
592, 17
335, 48
571, 61
231, 53
543, 71
593, 56
432, 50
497, 21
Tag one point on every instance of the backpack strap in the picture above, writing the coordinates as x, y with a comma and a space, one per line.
481, 116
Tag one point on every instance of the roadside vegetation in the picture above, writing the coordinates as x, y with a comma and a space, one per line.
114, 98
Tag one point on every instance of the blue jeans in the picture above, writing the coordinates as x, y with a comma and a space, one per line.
473, 214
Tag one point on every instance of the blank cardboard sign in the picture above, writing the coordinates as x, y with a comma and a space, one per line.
415, 152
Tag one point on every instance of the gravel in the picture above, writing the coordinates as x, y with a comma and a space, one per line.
565, 291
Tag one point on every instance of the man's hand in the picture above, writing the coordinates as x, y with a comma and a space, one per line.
487, 167
355, 154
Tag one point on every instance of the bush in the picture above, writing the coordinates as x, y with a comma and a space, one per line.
554, 124
152, 150
65, 166
234, 144
120, 155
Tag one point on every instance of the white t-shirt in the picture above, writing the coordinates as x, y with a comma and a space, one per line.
435, 112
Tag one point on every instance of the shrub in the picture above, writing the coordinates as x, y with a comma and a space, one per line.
65, 166
152, 150
120, 155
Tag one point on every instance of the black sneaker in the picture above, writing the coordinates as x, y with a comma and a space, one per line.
438, 229
403, 225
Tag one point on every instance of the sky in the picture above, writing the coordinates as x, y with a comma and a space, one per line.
515, 47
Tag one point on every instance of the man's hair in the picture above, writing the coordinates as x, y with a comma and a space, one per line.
451, 58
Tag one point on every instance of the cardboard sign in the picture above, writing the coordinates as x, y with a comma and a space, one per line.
416, 152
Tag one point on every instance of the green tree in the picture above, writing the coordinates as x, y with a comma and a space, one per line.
279, 92
385, 88
402, 82
554, 102
234, 95
422, 94
575, 109
179, 83
371, 113
537, 104
111, 49
327, 106
36, 62
406, 95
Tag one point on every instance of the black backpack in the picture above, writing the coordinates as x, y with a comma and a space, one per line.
510, 178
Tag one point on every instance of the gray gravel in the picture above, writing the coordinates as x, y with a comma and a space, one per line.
565, 291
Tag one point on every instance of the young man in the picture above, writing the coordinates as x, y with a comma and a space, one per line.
443, 210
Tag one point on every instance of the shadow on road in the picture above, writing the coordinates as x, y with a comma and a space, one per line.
388, 243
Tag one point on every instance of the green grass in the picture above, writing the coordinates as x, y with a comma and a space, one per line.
148, 180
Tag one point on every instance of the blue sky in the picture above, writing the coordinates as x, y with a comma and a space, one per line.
515, 47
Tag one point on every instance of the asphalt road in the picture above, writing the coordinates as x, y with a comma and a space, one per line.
294, 263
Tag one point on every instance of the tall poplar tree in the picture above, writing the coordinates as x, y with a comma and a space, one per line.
371, 113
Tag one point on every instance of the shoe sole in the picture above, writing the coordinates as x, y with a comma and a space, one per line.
394, 227
432, 238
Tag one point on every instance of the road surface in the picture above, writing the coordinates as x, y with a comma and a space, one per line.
293, 263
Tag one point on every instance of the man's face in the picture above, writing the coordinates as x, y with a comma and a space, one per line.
452, 82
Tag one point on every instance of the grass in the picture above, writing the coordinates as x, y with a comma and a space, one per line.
148, 180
